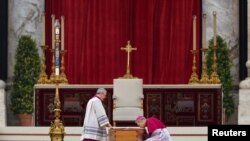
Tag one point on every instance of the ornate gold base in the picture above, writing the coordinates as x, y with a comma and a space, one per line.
63, 78
215, 78
194, 78
205, 79
57, 131
56, 137
43, 79
52, 78
128, 76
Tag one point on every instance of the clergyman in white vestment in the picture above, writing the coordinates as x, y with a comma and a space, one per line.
96, 120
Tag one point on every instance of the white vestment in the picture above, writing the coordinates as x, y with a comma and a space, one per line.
160, 135
95, 121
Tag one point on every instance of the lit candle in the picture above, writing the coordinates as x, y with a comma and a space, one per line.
43, 29
194, 32
214, 25
62, 37
57, 29
53, 31
204, 31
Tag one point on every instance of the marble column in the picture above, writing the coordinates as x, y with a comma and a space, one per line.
2, 104
244, 92
227, 27
24, 18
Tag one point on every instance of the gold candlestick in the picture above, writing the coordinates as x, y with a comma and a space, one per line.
194, 77
204, 75
43, 77
214, 76
56, 130
63, 77
52, 75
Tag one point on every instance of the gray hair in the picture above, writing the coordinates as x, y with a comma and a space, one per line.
101, 91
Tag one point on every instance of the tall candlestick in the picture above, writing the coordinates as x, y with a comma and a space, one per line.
53, 31
214, 25
194, 32
43, 29
204, 30
62, 29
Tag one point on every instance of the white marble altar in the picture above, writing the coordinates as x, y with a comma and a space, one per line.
2, 104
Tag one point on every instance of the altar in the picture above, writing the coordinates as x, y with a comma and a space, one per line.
175, 105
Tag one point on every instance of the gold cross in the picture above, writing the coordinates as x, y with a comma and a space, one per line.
128, 49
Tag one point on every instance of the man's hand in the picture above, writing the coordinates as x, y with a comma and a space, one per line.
109, 125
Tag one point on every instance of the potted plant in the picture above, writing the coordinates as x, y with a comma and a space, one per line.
224, 65
26, 72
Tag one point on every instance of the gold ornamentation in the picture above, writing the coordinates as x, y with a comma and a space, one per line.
63, 77
204, 75
194, 77
214, 78
43, 77
57, 129
128, 49
52, 77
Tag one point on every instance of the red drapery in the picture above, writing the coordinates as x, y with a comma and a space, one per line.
95, 30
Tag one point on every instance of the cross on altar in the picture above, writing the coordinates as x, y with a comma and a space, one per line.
128, 49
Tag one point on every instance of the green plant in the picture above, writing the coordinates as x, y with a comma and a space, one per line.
224, 65
26, 72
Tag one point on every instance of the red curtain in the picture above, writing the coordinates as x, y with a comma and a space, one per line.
95, 30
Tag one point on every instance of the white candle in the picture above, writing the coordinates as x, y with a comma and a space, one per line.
194, 33
57, 71
62, 28
204, 30
53, 31
57, 27
43, 30
214, 26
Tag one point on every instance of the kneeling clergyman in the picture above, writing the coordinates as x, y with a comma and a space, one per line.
96, 120
156, 130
